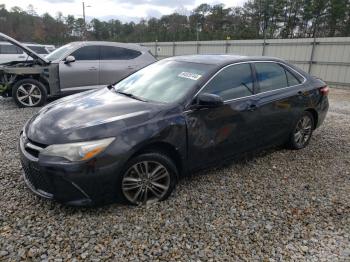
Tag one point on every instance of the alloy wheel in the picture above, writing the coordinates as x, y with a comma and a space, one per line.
29, 95
303, 131
146, 182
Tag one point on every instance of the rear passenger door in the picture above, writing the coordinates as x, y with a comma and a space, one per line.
279, 100
117, 63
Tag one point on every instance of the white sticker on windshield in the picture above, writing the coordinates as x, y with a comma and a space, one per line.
189, 75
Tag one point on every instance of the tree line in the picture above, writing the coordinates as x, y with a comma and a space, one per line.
255, 19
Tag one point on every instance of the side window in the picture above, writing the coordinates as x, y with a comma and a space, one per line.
270, 76
233, 82
86, 53
10, 50
38, 49
292, 80
118, 53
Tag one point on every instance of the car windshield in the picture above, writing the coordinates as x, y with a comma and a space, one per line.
58, 53
164, 81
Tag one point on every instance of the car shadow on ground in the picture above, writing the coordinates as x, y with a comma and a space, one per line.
100, 210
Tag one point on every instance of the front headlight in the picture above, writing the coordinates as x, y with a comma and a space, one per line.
78, 151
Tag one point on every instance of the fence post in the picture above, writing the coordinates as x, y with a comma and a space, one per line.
226, 47
197, 47
264, 46
314, 43
155, 49
174, 48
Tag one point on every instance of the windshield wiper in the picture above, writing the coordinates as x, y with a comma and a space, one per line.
131, 96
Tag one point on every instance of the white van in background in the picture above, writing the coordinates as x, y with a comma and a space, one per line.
9, 52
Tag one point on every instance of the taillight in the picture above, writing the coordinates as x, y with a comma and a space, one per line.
324, 90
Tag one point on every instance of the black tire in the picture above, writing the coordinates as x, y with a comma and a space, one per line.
36, 98
155, 157
295, 141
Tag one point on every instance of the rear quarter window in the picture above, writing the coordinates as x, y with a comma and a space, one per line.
118, 53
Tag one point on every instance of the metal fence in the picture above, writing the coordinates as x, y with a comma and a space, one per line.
327, 58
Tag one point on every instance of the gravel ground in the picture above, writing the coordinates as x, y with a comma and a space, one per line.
278, 205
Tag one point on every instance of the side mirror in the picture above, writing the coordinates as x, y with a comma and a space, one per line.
69, 59
209, 100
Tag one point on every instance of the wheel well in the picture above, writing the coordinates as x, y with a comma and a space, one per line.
314, 114
45, 83
36, 77
164, 148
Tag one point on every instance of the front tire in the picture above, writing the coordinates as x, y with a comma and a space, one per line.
147, 178
29, 93
302, 132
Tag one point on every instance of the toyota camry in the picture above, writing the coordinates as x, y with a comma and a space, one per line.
132, 141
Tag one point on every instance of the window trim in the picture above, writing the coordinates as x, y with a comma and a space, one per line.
292, 73
254, 78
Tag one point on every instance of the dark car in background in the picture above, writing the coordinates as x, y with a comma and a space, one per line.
132, 141
72, 68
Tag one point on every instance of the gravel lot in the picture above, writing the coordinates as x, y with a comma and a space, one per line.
278, 205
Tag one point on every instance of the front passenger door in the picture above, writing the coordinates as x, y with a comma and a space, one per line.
83, 73
217, 133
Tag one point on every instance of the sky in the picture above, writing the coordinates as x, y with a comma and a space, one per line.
124, 10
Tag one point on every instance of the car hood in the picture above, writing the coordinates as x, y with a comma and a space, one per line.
27, 50
88, 116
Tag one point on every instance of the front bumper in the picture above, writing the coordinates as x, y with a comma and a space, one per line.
71, 184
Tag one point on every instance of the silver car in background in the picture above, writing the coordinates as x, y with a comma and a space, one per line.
74, 67
10, 52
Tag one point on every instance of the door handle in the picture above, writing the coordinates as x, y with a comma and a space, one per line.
21, 56
92, 68
252, 107
131, 67
302, 93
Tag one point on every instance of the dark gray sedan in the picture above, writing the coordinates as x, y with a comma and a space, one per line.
132, 141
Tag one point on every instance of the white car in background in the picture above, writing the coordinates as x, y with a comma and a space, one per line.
9, 52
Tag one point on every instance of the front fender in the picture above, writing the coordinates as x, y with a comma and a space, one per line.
170, 130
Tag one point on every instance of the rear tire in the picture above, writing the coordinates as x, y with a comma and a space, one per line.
147, 178
302, 131
29, 93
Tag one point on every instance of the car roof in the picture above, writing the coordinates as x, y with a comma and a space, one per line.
107, 43
221, 59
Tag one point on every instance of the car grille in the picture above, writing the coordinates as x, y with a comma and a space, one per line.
33, 148
36, 179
